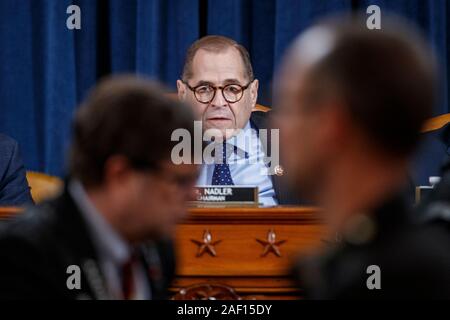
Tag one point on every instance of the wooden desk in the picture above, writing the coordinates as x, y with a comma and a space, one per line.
240, 255
9, 212
243, 259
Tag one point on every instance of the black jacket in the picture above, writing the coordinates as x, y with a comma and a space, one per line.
435, 207
38, 246
414, 260
286, 195
14, 189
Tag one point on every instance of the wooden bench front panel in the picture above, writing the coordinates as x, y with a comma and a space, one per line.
238, 261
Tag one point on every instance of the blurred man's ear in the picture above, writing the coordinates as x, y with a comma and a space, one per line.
117, 170
254, 92
181, 88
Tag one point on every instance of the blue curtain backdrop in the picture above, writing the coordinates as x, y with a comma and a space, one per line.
46, 69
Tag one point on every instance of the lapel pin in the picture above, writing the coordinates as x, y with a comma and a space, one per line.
279, 170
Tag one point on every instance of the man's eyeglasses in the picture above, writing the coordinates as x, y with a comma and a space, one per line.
205, 93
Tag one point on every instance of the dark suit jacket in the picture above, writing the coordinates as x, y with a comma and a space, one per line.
414, 260
435, 207
14, 189
433, 152
37, 248
285, 194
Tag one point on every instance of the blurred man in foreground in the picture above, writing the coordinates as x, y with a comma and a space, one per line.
218, 81
105, 236
14, 189
360, 98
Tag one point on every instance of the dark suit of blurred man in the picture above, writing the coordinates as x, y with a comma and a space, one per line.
435, 208
14, 189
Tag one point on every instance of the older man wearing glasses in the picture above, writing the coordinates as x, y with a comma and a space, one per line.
218, 81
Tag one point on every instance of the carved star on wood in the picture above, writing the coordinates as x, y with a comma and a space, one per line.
271, 245
206, 245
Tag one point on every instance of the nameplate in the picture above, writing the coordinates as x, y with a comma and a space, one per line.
226, 196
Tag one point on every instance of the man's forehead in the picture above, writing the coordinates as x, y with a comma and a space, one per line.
218, 66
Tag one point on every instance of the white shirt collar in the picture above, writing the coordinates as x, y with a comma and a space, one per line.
106, 240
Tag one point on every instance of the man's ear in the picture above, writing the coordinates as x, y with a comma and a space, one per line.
254, 92
181, 89
117, 170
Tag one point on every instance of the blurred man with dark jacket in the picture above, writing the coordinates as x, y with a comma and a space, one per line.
14, 189
107, 236
359, 99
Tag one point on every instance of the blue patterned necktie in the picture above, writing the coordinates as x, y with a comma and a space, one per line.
221, 174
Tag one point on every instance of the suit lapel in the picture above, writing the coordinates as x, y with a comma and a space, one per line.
284, 194
258, 121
